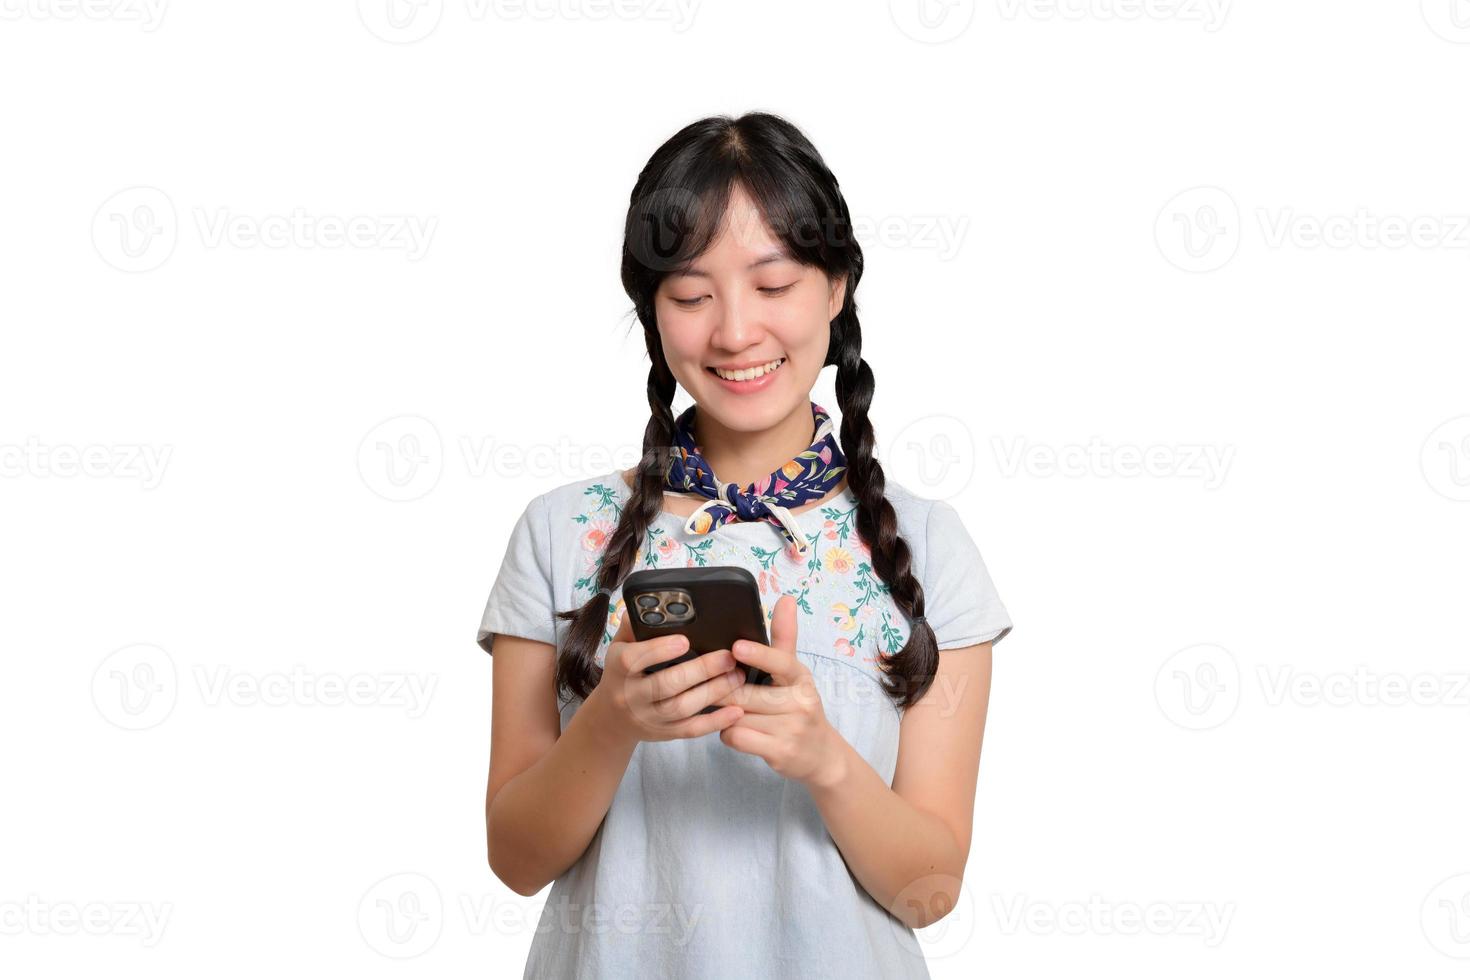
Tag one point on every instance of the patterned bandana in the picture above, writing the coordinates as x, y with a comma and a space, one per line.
811, 475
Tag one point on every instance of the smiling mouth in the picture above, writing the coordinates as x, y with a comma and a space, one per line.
748, 374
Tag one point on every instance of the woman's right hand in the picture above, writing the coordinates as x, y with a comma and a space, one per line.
664, 705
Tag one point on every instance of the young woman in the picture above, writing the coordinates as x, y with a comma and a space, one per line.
807, 827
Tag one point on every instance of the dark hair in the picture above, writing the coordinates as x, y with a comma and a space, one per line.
673, 215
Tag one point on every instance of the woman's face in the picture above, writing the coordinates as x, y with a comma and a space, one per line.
746, 304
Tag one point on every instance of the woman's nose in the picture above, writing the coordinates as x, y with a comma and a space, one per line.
738, 325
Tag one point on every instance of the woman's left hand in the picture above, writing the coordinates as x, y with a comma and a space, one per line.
783, 721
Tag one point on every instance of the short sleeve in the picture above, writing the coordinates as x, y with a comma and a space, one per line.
960, 601
522, 601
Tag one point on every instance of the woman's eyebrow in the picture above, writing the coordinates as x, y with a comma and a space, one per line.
779, 255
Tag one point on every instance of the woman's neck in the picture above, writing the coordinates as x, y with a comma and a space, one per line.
742, 458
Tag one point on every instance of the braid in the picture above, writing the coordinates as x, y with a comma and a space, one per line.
577, 672
909, 671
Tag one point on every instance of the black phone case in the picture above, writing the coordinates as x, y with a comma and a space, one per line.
727, 607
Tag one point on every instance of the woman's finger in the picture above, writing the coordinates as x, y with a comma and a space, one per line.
646, 653
704, 724
782, 665
768, 699
680, 677
690, 702
743, 738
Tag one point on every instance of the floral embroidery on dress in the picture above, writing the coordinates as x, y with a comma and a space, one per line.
837, 575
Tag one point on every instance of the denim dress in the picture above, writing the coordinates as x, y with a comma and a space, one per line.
708, 863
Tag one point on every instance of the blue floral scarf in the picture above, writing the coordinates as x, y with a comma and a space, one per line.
811, 475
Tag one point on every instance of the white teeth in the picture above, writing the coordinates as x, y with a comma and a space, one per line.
750, 373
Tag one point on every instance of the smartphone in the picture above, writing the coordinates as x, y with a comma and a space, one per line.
713, 606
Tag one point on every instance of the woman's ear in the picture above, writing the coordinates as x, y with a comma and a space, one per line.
837, 293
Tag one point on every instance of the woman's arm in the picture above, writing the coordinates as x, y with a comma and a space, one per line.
907, 846
548, 789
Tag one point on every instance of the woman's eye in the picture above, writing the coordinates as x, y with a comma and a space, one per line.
776, 290
687, 302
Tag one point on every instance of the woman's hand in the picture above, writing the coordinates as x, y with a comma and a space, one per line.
637, 707
784, 722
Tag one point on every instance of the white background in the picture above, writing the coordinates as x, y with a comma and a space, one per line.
1183, 231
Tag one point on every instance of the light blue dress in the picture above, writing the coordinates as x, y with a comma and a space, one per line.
708, 863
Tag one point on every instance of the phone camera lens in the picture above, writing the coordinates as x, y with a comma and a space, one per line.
677, 608
652, 618
648, 601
